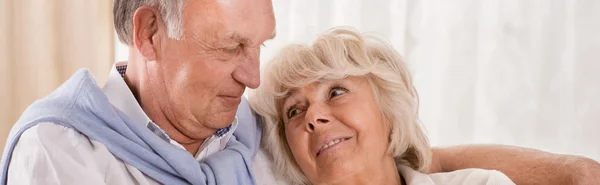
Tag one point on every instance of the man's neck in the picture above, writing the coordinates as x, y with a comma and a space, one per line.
158, 112
384, 173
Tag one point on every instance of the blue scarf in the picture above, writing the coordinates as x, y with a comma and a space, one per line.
81, 105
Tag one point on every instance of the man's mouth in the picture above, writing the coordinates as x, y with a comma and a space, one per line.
230, 100
227, 96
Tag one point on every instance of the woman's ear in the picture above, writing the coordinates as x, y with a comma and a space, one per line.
146, 20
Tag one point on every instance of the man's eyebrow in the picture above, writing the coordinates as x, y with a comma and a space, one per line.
238, 38
245, 40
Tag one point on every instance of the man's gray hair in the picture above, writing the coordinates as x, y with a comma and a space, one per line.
171, 12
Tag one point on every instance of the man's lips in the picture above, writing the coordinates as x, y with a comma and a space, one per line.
229, 96
231, 100
232, 94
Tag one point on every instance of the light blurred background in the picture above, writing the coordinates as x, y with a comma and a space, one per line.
516, 72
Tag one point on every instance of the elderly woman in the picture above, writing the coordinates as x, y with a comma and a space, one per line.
343, 110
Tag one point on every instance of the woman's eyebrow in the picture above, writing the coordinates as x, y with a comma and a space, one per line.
324, 86
286, 98
289, 93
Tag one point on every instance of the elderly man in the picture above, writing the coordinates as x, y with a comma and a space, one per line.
170, 115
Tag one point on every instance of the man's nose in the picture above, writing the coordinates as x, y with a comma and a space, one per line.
248, 72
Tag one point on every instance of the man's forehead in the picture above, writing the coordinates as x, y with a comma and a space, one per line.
228, 21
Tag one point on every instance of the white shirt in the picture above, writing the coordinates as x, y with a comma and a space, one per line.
459, 177
470, 176
49, 153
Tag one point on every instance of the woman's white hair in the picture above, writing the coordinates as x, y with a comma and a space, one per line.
337, 54
171, 11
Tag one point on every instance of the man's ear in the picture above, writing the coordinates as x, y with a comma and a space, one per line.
146, 20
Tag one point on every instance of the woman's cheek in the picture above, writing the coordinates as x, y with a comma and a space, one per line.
296, 143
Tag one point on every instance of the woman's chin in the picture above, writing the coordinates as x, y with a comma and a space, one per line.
334, 176
336, 166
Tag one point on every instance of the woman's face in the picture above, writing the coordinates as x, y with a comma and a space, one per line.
335, 129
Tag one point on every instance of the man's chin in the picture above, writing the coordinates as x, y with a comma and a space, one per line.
220, 115
224, 119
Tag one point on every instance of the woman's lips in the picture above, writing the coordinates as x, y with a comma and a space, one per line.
328, 145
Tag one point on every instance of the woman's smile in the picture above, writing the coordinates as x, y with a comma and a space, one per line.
331, 145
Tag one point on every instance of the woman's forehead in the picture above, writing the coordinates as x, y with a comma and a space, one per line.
322, 85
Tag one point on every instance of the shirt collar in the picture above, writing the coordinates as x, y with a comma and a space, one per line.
414, 177
120, 96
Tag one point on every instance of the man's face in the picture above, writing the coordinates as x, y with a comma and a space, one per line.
205, 74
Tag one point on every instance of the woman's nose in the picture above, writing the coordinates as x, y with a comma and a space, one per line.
318, 116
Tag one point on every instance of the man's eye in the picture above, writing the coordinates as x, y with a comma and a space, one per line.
293, 112
336, 91
233, 51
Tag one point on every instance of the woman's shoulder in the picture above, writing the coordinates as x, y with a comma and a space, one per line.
470, 176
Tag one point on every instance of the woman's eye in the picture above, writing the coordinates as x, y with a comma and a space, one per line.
293, 112
336, 92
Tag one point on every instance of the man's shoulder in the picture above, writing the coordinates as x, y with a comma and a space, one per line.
49, 153
472, 176
48, 135
50, 143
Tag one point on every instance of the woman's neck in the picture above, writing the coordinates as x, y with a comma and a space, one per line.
384, 173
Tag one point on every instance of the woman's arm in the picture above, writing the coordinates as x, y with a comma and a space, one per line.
524, 166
